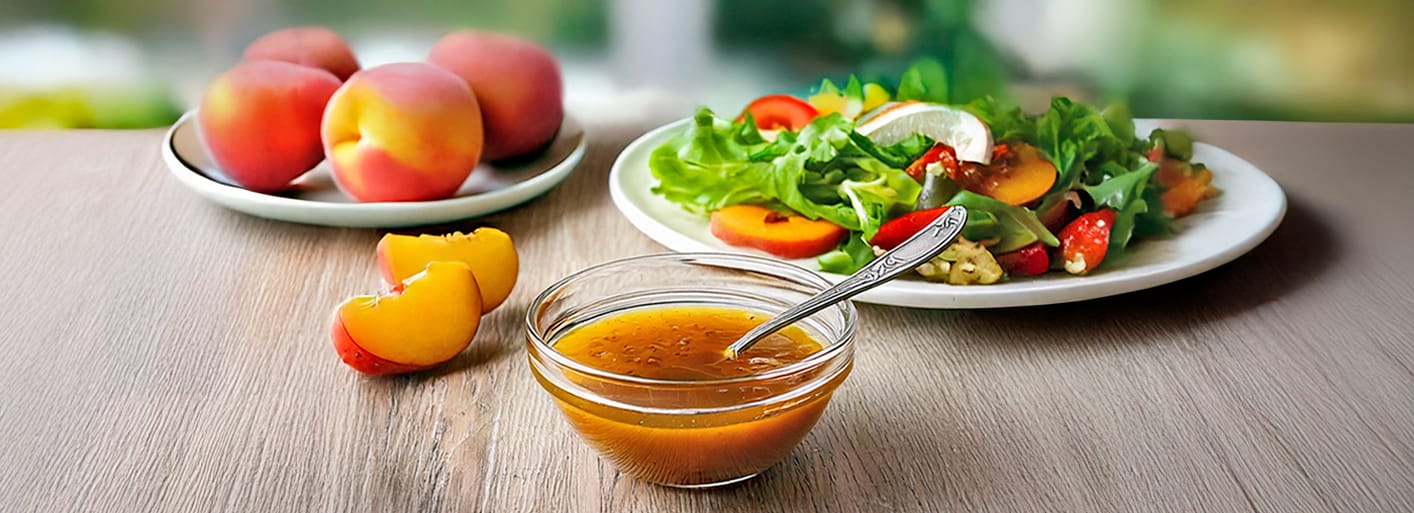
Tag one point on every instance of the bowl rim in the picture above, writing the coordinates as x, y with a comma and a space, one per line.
778, 270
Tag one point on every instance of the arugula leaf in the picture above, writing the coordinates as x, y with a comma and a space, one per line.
898, 155
1011, 226
1152, 222
1123, 188
1124, 193
909, 149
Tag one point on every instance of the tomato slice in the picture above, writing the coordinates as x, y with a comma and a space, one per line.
778, 111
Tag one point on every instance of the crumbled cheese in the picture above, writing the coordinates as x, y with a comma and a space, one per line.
1076, 266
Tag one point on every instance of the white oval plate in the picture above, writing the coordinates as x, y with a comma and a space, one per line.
1248, 210
314, 199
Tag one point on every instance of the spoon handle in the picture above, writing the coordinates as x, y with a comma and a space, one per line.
917, 250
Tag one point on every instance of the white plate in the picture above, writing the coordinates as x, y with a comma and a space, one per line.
1248, 210
314, 199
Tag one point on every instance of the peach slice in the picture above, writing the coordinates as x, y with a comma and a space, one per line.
1184, 185
488, 251
424, 321
786, 236
1019, 175
1024, 178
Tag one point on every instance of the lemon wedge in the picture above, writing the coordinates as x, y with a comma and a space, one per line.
968, 136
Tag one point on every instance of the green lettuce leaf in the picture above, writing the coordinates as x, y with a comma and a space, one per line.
926, 80
706, 167
1069, 134
1176, 144
853, 88
1006, 121
851, 256
822, 172
875, 200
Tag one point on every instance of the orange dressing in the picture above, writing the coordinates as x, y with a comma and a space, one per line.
683, 343
687, 343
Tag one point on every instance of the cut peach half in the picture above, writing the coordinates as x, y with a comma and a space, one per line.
424, 321
488, 251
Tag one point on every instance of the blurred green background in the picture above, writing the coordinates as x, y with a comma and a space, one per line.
139, 63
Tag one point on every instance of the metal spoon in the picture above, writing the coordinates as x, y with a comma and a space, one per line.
917, 250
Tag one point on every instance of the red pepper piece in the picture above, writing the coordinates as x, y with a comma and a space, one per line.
1031, 260
1000, 152
894, 232
1084, 242
940, 153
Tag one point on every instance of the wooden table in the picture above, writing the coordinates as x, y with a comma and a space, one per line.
165, 354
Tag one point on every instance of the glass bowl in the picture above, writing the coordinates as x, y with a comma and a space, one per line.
690, 433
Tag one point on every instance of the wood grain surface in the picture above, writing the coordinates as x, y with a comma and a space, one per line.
163, 354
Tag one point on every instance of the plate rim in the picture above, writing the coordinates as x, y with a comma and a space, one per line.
908, 294
365, 215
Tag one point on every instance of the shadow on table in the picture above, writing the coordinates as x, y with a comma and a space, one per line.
1303, 248
489, 347
865, 462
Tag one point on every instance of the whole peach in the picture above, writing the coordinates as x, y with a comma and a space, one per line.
260, 122
517, 83
402, 132
317, 47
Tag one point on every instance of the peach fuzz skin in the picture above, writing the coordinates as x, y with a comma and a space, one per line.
260, 122
402, 132
422, 322
488, 251
316, 47
517, 82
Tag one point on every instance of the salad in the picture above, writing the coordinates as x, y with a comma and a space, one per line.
848, 173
